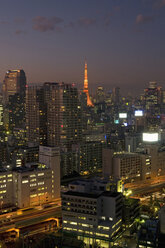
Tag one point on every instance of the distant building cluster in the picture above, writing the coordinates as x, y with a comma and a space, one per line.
52, 132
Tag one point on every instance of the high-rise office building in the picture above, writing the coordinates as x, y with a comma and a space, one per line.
64, 126
100, 95
153, 98
1, 111
36, 115
53, 115
14, 88
14, 82
116, 95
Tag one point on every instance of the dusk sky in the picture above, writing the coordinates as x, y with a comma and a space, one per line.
123, 41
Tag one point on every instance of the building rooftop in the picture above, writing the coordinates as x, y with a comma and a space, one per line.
111, 194
93, 194
125, 154
27, 169
84, 181
82, 194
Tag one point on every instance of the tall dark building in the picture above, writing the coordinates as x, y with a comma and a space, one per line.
153, 98
53, 115
116, 95
63, 115
14, 88
100, 94
36, 111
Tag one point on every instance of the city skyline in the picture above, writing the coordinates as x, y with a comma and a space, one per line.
122, 41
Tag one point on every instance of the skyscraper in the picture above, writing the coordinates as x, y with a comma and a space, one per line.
53, 115
14, 88
152, 103
116, 96
153, 98
64, 126
89, 102
14, 82
100, 95
36, 115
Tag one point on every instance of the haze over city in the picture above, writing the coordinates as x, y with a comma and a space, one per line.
82, 124
123, 41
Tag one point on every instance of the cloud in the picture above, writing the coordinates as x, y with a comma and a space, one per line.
44, 24
18, 32
86, 22
70, 25
4, 22
107, 19
117, 8
141, 19
19, 20
159, 4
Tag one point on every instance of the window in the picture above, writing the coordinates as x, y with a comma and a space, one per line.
33, 195
40, 174
25, 181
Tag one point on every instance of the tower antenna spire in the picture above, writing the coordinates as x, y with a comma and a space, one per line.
89, 102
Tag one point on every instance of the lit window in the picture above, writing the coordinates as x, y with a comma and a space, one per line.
25, 181
40, 183
73, 223
33, 175
40, 194
3, 191
40, 174
33, 185
33, 195
33, 180
3, 176
3, 186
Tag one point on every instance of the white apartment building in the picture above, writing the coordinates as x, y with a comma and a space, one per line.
93, 214
34, 185
6, 188
50, 156
123, 165
148, 162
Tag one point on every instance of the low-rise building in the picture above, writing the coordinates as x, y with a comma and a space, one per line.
148, 234
32, 187
124, 165
131, 210
33, 184
96, 214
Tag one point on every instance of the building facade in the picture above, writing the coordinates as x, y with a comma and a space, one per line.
53, 115
97, 214
14, 88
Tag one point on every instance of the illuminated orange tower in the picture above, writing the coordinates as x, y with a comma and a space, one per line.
89, 102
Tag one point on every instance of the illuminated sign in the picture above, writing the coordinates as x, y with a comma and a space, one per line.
116, 121
138, 112
150, 137
122, 115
